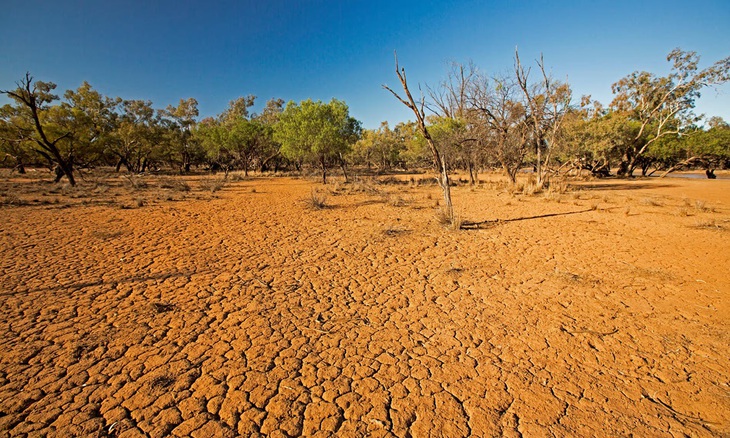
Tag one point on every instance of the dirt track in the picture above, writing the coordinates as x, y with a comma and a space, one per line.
250, 314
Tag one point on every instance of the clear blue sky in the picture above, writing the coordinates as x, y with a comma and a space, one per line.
216, 51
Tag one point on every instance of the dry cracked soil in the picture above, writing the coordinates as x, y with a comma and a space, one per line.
162, 307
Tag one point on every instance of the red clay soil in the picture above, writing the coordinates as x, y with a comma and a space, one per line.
599, 311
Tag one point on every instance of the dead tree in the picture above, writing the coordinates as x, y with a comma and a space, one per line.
420, 114
547, 102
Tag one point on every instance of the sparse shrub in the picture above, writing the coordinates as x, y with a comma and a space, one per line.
683, 211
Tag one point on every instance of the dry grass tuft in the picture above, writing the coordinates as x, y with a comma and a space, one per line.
316, 200
135, 182
651, 202
12, 199
212, 184
701, 206
174, 184
558, 186
553, 196
709, 224
683, 212
395, 231
453, 223
394, 200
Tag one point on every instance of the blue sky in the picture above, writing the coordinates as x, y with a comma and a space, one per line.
167, 50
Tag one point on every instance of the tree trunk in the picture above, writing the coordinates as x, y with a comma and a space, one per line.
324, 169
445, 184
343, 164
538, 168
511, 173
59, 173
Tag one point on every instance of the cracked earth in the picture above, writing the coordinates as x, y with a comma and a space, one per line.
250, 314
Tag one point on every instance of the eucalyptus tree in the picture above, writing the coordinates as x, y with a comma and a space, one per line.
179, 121
414, 151
316, 132
662, 105
33, 104
92, 119
708, 147
15, 138
269, 149
138, 135
381, 147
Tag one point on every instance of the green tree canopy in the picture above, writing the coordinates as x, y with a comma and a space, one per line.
316, 132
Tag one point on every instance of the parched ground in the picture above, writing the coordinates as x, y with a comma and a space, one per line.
155, 307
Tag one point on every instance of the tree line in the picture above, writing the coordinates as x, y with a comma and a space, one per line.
471, 121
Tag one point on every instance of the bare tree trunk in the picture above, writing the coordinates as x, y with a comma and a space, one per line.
438, 158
